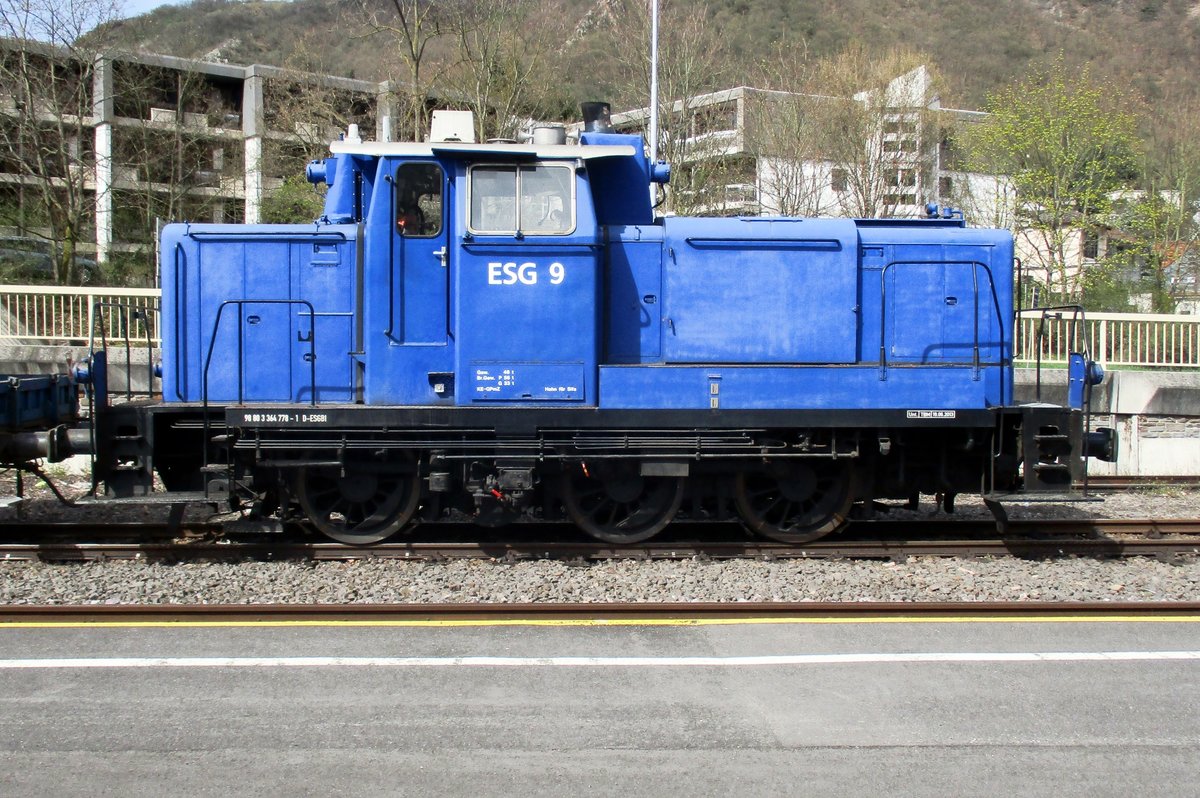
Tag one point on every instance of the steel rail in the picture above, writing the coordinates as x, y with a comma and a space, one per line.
33, 531
1121, 483
614, 611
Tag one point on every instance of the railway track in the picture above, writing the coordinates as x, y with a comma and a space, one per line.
614, 612
893, 540
1112, 483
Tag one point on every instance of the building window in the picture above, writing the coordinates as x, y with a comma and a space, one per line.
716, 118
945, 186
1091, 245
899, 126
839, 180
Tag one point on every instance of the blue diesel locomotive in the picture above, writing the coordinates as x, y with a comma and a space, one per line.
509, 331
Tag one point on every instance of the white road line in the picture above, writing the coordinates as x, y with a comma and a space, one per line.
602, 662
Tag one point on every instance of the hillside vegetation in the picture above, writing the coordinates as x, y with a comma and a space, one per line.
1151, 46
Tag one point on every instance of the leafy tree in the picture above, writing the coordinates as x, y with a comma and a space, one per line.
296, 201
1162, 226
1150, 232
1066, 141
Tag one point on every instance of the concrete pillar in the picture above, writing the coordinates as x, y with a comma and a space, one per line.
253, 128
386, 112
102, 115
218, 165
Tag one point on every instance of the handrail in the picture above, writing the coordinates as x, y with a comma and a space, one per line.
180, 264
241, 303
1078, 317
71, 290
297, 235
126, 312
311, 357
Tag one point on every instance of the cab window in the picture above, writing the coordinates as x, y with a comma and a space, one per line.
419, 200
535, 200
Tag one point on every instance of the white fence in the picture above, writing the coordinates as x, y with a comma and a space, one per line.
35, 314
1135, 340
48, 315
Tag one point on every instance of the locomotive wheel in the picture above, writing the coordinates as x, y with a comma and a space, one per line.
794, 501
361, 507
616, 504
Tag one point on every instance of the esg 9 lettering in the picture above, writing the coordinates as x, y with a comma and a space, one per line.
524, 273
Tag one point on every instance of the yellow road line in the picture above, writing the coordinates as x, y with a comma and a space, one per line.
591, 622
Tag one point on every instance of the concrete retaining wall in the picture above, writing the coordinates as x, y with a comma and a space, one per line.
1156, 415
62, 359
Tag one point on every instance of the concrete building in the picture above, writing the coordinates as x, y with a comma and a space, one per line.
749, 151
755, 151
143, 136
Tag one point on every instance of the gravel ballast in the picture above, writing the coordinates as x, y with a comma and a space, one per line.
918, 579
391, 581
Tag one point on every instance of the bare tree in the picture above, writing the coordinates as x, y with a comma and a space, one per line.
868, 121
783, 129
46, 105
307, 108
170, 163
307, 112
501, 62
695, 132
411, 26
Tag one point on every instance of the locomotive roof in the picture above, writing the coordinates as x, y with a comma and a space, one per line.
453, 148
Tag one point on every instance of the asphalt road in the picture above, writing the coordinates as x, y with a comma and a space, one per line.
941, 709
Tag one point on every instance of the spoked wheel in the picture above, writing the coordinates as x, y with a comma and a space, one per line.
794, 501
367, 504
617, 504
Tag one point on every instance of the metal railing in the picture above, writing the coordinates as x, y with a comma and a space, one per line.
49, 315
1132, 340
39, 314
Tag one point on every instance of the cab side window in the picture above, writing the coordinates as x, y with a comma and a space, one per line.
494, 199
535, 200
419, 200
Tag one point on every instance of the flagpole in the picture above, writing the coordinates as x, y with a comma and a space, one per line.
653, 81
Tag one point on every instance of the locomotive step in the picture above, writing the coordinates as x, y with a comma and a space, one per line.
179, 497
1053, 444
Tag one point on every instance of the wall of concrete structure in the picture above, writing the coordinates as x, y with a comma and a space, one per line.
1156, 415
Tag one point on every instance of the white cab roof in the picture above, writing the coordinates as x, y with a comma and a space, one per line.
540, 151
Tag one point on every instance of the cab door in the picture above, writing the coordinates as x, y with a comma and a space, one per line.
420, 243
